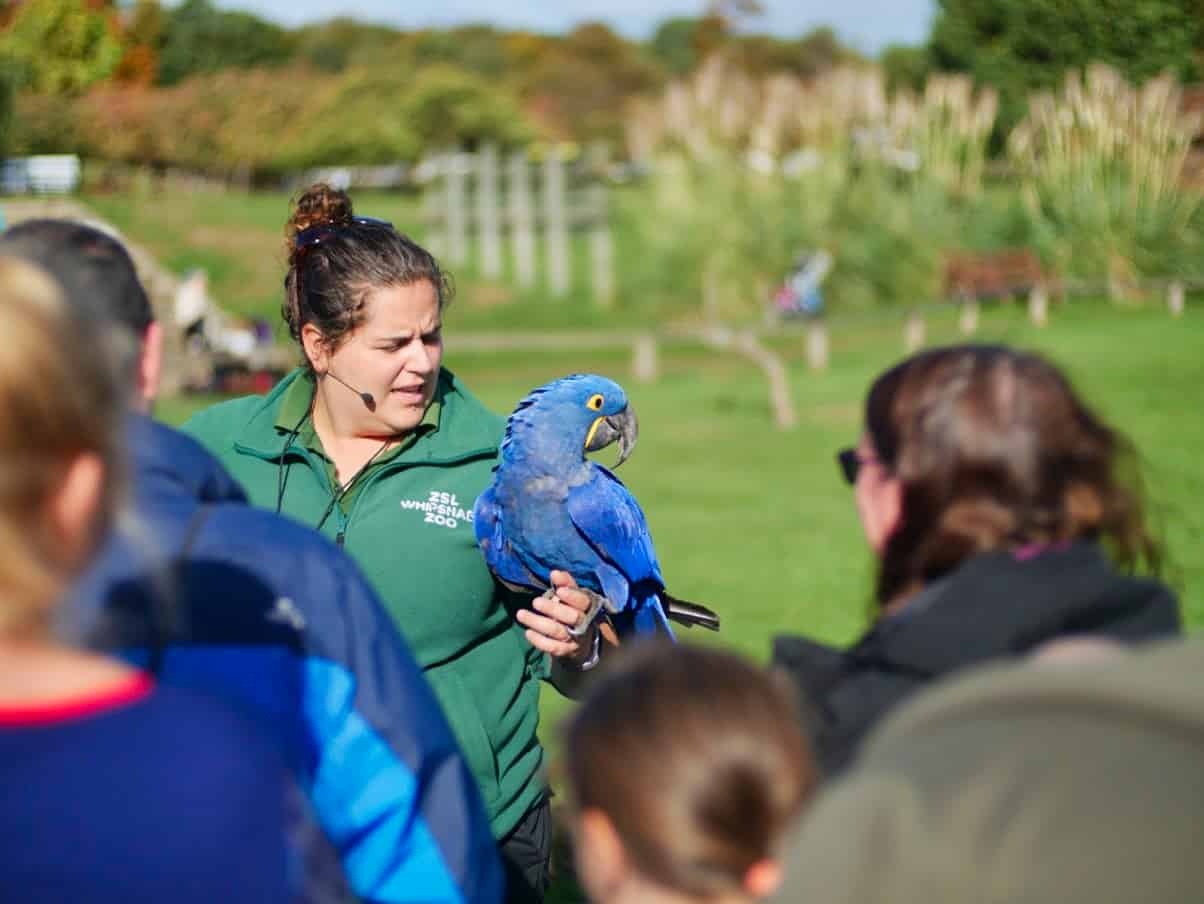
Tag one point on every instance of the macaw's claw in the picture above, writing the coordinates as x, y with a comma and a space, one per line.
597, 602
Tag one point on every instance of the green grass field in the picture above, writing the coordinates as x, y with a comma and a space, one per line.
757, 523
752, 521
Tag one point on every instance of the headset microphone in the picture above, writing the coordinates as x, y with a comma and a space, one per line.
365, 397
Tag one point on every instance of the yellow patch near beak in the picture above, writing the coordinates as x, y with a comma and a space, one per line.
593, 428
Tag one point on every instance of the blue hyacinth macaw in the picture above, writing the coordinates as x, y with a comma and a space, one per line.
550, 508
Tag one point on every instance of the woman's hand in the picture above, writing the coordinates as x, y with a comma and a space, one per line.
563, 607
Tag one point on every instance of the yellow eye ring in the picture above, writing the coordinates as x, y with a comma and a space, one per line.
595, 402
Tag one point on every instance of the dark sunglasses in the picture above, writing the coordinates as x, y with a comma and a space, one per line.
315, 235
850, 464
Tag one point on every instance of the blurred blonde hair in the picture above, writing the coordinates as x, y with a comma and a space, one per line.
60, 398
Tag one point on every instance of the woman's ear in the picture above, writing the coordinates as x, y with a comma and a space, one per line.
763, 878
74, 509
316, 349
601, 860
150, 367
892, 506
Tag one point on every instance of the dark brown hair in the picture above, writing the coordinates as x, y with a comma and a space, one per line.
696, 757
328, 280
995, 450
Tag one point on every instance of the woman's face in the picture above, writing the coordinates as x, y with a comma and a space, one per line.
879, 497
394, 354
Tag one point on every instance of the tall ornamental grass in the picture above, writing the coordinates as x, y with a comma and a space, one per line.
1100, 168
748, 173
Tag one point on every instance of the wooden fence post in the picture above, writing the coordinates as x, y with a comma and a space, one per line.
489, 230
969, 317
1175, 299
645, 364
601, 249
434, 209
457, 240
817, 345
601, 246
913, 332
522, 221
555, 227
1038, 305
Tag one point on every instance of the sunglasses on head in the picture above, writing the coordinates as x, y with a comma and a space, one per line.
315, 235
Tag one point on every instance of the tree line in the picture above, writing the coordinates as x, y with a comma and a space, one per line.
198, 86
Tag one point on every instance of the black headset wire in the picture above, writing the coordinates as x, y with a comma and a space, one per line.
282, 472
337, 497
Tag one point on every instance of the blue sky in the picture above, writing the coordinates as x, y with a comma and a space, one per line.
866, 24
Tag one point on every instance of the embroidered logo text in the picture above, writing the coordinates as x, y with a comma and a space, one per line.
440, 508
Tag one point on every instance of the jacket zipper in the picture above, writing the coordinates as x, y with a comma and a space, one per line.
324, 478
341, 520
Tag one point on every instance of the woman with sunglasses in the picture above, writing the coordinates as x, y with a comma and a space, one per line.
997, 505
381, 448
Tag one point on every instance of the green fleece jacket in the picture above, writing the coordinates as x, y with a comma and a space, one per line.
407, 520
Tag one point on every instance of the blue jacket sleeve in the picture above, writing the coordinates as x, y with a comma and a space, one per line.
389, 784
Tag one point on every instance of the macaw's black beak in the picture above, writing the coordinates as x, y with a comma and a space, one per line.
622, 427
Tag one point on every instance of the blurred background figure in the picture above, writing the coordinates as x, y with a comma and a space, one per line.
800, 294
997, 504
1072, 785
685, 767
113, 788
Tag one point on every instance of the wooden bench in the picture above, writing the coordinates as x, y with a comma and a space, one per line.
993, 274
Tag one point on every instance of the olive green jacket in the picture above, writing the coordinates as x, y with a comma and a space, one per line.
407, 520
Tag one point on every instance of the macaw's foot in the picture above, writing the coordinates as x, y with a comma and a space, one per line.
597, 602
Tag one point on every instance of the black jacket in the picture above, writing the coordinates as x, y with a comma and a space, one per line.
994, 605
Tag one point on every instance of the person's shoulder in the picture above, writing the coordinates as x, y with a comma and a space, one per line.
276, 533
224, 419
157, 447
1143, 607
1153, 678
218, 425
195, 719
293, 559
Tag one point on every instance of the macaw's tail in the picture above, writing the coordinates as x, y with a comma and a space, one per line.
689, 614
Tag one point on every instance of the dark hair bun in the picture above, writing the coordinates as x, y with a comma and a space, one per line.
319, 205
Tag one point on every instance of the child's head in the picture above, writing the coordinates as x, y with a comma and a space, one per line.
61, 407
686, 766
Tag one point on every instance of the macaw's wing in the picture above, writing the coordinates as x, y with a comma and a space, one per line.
506, 566
611, 521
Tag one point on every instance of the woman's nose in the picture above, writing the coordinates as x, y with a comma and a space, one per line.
419, 358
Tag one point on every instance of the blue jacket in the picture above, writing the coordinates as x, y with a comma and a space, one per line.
271, 617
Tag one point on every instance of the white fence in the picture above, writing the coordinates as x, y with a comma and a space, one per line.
527, 203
